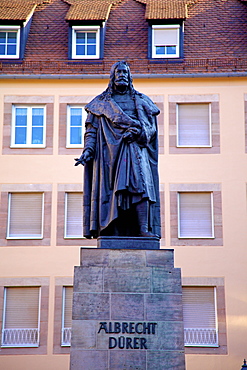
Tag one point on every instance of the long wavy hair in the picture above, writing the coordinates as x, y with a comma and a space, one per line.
107, 94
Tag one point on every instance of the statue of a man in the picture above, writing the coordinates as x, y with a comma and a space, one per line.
121, 185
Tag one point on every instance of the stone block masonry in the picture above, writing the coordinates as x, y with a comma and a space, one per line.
127, 311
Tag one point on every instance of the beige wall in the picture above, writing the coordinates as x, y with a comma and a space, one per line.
228, 168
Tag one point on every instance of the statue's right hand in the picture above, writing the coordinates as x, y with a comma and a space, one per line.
85, 157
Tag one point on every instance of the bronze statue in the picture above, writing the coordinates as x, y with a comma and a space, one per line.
121, 184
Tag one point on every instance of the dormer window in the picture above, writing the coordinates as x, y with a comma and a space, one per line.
9, 42
85, 42
166, 41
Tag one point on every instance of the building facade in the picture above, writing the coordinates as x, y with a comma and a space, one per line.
190, 57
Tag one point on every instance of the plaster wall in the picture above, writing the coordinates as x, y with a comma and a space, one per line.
228, 168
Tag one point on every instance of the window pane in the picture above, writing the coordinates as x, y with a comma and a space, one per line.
76, 135
37, 116
160, 50
91, 50
91, 38
75, 116
12, 37
2, 37
21, 126
2, 49
80, 37
37, 135
11, 49
20, 135
171, 49
80, 49
21, 117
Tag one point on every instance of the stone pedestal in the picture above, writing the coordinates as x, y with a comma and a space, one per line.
127, 311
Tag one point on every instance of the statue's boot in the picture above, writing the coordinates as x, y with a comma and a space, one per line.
142, 210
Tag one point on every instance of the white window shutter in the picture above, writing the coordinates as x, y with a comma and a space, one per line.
67, 316
22, 307
73, 215
67, 310
199, 307
166, 36
25, 215
195, 215
194, 126
199, 316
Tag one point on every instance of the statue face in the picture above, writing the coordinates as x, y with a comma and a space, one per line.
121, 76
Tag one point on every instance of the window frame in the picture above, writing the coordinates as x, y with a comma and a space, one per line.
212, 215
8, 237
176, 26
16, 29
209, 124
68, 136
216, 345
4, 318
29, 126
85, 29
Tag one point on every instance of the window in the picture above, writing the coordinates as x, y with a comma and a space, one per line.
73, 215
25, 216
194, 125
67, 316
75, 126
200, 318
85, 42
165, 41
9, 41
195, 210
21, 317
28, 127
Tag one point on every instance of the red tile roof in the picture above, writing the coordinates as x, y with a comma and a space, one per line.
89, 10
166, 9
155, 9
214, 40
17, 9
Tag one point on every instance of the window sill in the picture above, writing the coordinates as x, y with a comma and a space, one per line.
165, 60
28, 147
74, 237
16, 346
24, 238
196, 237
85, 61
79, 146
194, 146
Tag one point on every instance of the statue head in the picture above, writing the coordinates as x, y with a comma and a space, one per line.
120, 74
120, 77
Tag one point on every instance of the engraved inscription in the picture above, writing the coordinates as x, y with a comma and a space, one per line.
128, 342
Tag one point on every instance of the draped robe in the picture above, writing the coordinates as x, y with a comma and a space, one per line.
121, 173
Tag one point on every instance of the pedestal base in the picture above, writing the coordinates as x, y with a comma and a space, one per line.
123, 242
127, 311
